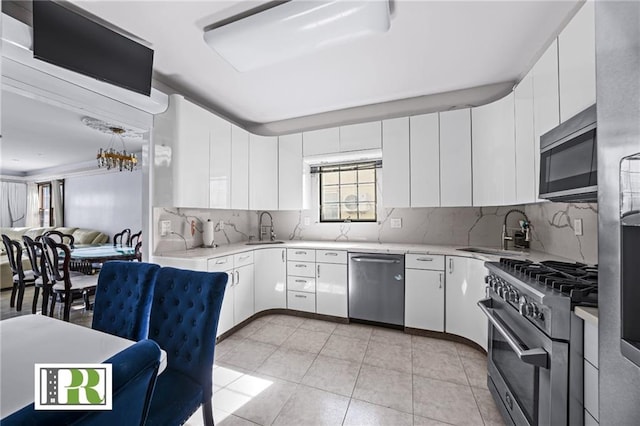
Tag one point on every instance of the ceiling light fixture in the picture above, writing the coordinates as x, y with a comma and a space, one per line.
111, 158
295, 28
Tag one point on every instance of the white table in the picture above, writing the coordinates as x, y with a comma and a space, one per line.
31, 339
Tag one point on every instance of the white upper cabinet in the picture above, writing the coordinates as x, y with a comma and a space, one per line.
546, 101
239, 168
357, 137
318, 142
263, 172
425, 160
577, 63
395, 163
219, 163
493, 135
455, 158
190, 155
526, 156
290, 172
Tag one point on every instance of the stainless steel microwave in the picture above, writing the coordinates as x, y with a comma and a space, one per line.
568, 160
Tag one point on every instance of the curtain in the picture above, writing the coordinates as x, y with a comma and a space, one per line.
13, 204
33, 217
56, 203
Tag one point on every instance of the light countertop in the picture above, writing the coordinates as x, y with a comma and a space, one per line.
203, 253
588, 314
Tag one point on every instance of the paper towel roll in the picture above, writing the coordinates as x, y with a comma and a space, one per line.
207, 234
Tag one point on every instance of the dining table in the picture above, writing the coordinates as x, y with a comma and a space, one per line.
83, 258
36, 339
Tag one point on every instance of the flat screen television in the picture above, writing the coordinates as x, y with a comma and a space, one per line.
69, 40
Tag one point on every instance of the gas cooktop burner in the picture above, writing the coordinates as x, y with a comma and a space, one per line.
574, 280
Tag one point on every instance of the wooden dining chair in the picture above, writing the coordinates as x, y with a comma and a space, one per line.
135, 239
36, 257
61, 237
66, 283
184, 319
20, 277
122, 238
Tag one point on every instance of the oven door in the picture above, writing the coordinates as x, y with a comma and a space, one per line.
528, 372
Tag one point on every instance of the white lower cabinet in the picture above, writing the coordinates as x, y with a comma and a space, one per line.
424, 299
225, 264
331, 289
243, 306
301, 301
465, 286
271, 279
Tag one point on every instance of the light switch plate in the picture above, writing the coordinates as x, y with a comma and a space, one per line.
577, 226
221, 224
307, 221
165, 228
396, 223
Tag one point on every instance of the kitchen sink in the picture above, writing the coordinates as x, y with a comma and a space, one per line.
258, 242
497, 252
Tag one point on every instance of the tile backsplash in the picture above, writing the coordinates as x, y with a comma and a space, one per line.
552, 227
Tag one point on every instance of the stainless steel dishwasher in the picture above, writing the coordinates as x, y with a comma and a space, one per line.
376, 287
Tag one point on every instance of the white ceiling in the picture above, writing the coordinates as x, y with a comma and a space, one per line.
432, 47
37, 135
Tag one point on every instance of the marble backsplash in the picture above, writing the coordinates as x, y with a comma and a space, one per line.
552, 227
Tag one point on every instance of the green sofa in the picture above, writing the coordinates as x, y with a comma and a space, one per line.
80, 235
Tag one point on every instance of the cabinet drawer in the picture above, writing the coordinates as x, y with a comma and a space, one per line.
220, 264
300, 301
242, 259
591, 389
424, 261
301, 269
301, 284
302, 255
331, 256
591, 343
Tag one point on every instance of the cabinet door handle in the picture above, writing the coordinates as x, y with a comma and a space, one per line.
301, 265
301, 281
451, 265
221, 261
301, 296
283, 256
232, 278
318, 271
244, 257
237, 277
301, 252
331, 254
424, 259
440, 280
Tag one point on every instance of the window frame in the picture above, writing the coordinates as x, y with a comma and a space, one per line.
41, 202
321, 170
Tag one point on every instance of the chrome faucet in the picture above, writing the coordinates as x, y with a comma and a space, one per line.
263, 228
505, 234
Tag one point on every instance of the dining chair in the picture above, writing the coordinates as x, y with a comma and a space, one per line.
20, 276
122, 303
184, 320
134, 371
122, 238
36, 257
66, 283
138, 251
135, 239
60, 237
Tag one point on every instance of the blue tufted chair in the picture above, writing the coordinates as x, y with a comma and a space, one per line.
184, 319
123, 298
134, 373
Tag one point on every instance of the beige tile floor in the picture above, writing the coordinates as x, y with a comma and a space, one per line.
285, 370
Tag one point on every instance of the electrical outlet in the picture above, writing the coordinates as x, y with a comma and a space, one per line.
307, 221
221, 224
577, 226
165, 228
396, 223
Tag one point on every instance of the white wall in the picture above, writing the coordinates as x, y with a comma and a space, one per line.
107, 202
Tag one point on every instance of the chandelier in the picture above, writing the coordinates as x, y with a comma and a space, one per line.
114, 159
111, 157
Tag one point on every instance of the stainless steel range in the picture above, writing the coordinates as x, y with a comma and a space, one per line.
529, 307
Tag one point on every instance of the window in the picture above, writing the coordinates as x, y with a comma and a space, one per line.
46, 203
348, 192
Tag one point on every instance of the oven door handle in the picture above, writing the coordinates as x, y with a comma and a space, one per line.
536, 356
